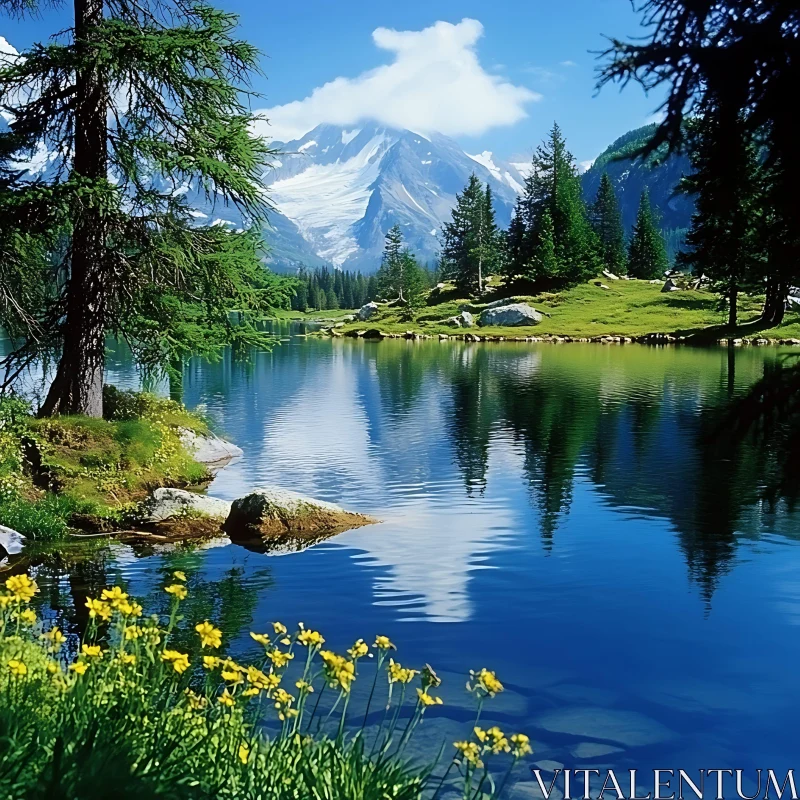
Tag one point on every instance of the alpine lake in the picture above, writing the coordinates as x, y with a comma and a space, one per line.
570, 516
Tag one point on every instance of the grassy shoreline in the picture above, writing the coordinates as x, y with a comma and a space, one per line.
588, 312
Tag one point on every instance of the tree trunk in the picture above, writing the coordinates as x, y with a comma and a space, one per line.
78, 385
775, 302
733, 296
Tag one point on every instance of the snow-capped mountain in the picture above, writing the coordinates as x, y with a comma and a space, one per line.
338, 190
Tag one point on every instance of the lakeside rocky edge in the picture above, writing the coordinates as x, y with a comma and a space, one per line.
268, 519
649, 338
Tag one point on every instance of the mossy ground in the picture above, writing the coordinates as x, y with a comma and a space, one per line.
626, 308
75, 472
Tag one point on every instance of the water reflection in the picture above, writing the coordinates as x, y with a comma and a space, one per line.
559, 513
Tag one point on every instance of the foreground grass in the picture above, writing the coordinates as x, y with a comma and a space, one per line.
626, 308
60, 472
126, 713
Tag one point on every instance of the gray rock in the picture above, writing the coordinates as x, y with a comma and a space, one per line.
210, 450
610, 275
467, 320
593, 750
626, 727
669, 286
514, 314
169, 503
272, 511
11, 542
367, 311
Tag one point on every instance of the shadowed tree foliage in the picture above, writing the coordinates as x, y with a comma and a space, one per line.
606, 220
647, 255
132, 104
739, 57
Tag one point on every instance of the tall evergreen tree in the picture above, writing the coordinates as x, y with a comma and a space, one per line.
133, 100
606, 220
471, 241
413, 286
725, 241
552, 186
647, 256
390, 274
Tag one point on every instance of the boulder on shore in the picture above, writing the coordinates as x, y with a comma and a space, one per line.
11, 542
513, 315
210, 450
367, 311
273, 513
164, 504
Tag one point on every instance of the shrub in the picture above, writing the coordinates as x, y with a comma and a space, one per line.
125, 712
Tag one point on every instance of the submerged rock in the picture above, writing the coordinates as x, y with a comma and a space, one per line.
11, 542
624, 727
166, 504
275, 513
367, 311
210, 450
514, 314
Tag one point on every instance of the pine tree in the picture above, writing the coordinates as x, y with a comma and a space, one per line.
546, 260
647, 256
606, 220
413, 286
471, 241
724, 242
133, 101
390, 274
552, 186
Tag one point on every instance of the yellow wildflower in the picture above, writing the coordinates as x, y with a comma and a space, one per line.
400, 674
261, 638
79, 667
55, 637
52, 668
196, 703
127, 658
484, 682
17, 668
520, 745
209, 635
98, 608
256, 678
211, 662
359, 649
470, 752
244, 753
279, 658
179, 575
129, 609
28, 616
91, 651
304, 686
428, 700
132, 632
311, 638
338, 670
429, 677
283, 702
114, 596
179, 661
280, 628
178, 591
6, 600
383, 643
499, 742
226, 698
232, 676
251, 692
22, 588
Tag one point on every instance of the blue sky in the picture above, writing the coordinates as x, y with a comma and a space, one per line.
494, 75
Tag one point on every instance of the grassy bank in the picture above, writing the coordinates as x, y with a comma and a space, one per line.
627, 308
151, 707
61, 473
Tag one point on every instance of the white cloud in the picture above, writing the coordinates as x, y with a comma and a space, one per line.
434, 83
568, 63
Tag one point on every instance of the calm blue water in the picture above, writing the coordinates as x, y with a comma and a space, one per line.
551, 512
